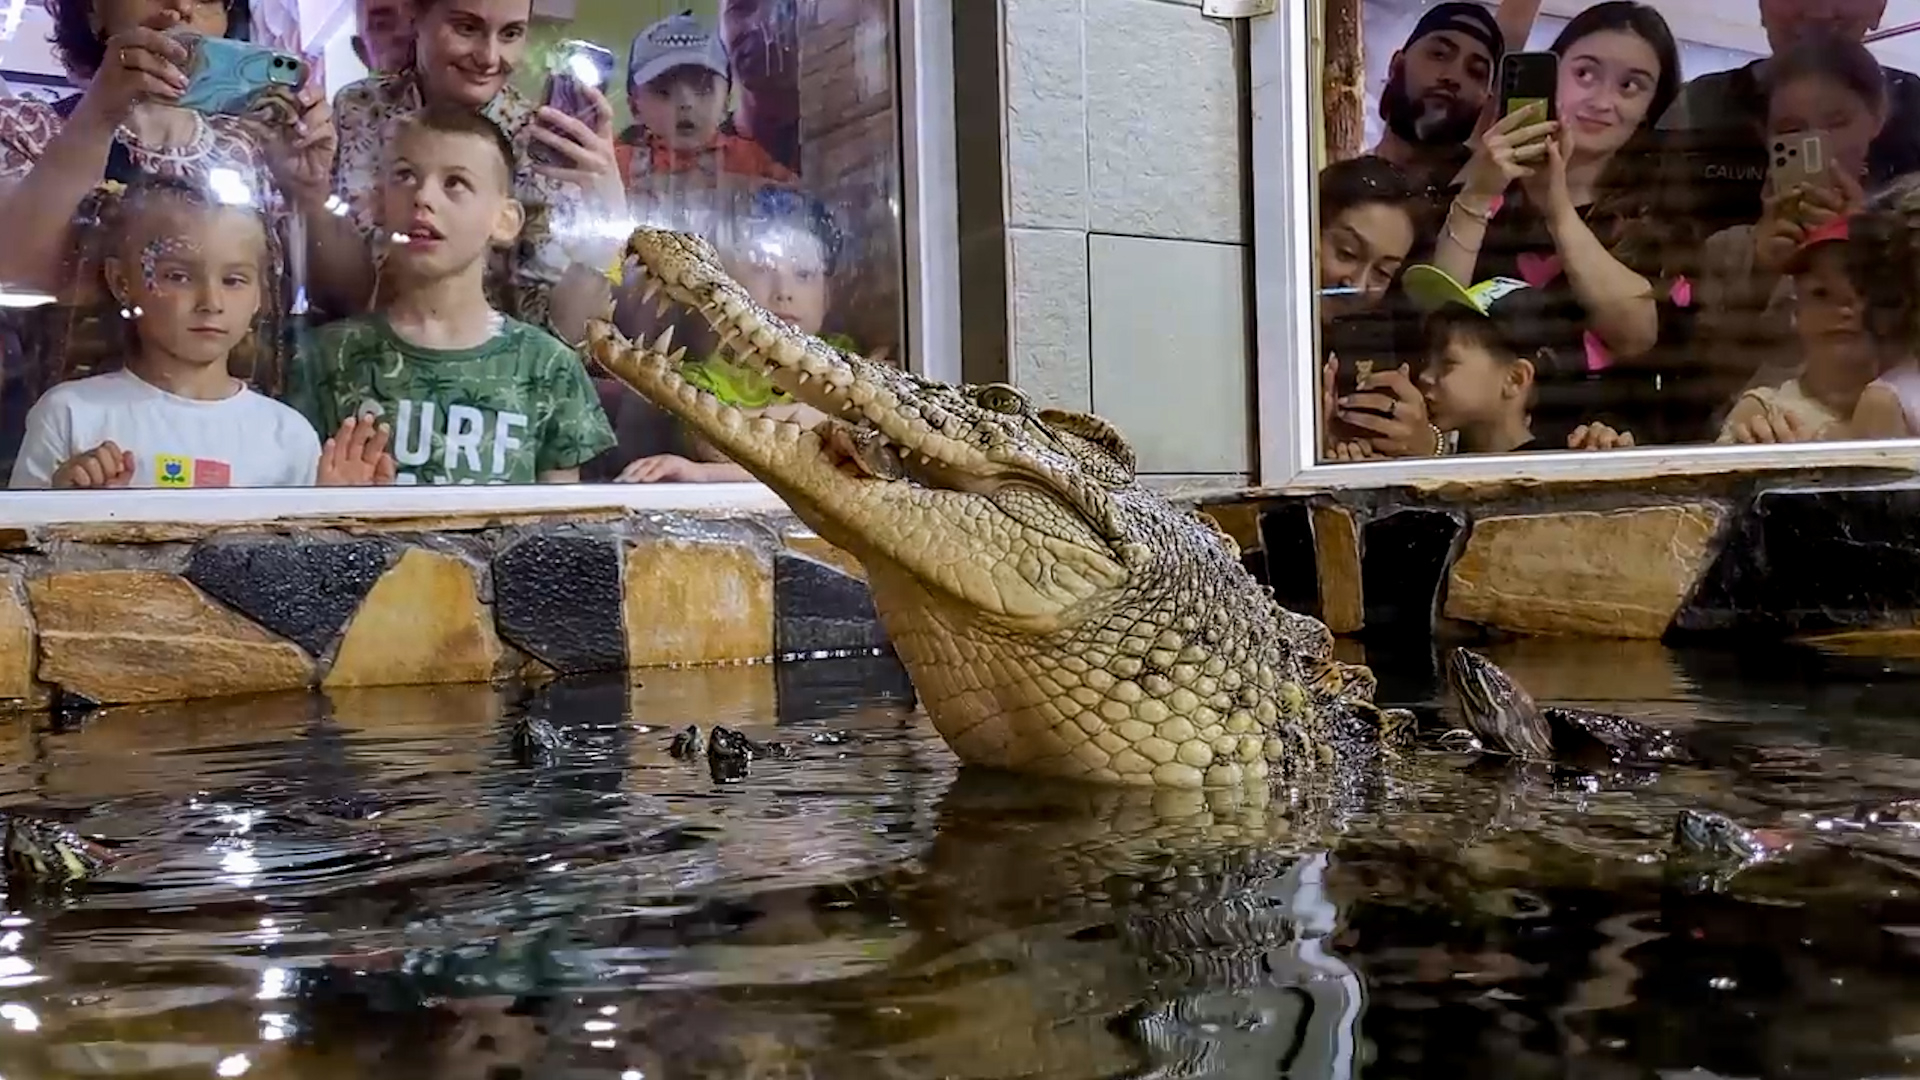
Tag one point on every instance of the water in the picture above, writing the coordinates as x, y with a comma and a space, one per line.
366, 884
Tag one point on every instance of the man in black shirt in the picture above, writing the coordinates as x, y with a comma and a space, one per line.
1437, 85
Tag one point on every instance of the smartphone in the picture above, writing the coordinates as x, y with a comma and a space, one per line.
1796, 159
576, 66
228, 77
1529, 77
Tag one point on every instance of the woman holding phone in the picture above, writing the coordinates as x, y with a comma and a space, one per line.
466, 52
1555, 201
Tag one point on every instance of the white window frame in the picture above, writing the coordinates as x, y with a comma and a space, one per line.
1285, 66
929, 219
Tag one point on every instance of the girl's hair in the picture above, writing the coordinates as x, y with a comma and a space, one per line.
1883, 262
1826, 55
81, 50
1366, 180
99, 334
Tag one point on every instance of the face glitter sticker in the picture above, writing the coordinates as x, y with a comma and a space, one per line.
158, 249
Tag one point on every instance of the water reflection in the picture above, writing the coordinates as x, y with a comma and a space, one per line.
368, 883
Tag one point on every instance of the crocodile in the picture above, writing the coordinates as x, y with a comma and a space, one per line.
1056, 616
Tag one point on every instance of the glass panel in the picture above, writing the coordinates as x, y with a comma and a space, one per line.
1552, 225
237, 230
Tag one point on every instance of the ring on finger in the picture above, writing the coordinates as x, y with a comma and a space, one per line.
1393, 406
125, 58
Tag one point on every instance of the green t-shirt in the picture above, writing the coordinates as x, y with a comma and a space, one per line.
500, 413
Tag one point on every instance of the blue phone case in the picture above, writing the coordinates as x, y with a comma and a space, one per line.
228, 77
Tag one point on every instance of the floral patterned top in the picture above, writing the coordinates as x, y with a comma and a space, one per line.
522, 283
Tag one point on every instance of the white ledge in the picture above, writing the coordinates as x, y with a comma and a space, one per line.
20, 509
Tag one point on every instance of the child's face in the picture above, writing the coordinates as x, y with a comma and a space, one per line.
193, 274
786, 272
1467, 384
683, 107
444, 201
1847, 124
1826, 312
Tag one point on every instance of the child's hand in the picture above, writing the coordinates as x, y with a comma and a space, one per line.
356, 456
103, 466
663, 468
1768, 425
1598, 436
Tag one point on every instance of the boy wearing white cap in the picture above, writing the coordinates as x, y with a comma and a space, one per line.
678, 83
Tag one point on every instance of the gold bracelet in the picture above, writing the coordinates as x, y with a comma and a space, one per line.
1439, 441
1484, 218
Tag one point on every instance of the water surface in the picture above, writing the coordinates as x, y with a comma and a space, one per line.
368, 884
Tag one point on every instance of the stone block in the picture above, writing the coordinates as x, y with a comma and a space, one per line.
1153, 301
693, 601
813, 547
1051, 357
139, 635
1164, 117
556, 595
1046, 115
1809, 560
299, 587
1336, 549
823, 689
1403, 562
1293, 572
1621, 573
16, 644
423, 622
819, 609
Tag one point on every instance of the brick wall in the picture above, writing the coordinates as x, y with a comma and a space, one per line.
850, 157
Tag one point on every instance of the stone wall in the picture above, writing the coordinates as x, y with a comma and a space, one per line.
1125, 127
1784, 554
115, 614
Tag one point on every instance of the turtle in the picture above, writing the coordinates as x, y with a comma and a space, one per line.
1504, 719
536, 740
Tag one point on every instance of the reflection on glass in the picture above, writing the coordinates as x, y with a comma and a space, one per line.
1589, 232
242, 254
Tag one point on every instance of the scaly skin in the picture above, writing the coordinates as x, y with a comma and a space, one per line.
1056, 617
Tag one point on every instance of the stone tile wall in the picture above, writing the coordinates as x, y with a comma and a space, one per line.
1834, 556
132, 614
1126, 220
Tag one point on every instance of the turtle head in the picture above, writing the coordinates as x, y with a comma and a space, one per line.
44, 852
1710, 835
1498, 710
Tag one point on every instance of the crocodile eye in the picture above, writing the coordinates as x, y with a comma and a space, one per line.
1001, 398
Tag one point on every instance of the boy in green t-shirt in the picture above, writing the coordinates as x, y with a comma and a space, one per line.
473, 397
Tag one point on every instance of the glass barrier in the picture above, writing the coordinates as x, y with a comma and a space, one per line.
347, 242
1615, 224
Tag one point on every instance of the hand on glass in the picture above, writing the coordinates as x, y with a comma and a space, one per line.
1597, 436
1770, 425
663, 468
103, 466
1391, 413
1512, 149
357, 455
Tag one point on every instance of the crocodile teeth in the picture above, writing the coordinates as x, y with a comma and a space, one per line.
678, 354
663, 305
652, 289
665, 342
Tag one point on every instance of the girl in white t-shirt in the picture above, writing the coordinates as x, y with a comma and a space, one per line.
188, 270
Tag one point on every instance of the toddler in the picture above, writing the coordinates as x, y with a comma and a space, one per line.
474, 397
678, 84
783, 251
1837, 359
188, 274
1486, 349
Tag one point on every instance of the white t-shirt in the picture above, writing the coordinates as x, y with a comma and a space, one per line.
247, 440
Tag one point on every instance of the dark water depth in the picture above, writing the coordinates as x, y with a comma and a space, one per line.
369, 884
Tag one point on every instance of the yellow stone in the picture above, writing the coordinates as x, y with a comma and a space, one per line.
1336, 549
142, 635
422, 622
1621, 573
693, 602
808, 543
16, 645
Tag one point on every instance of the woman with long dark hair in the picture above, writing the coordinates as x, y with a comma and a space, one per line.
1564, 204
